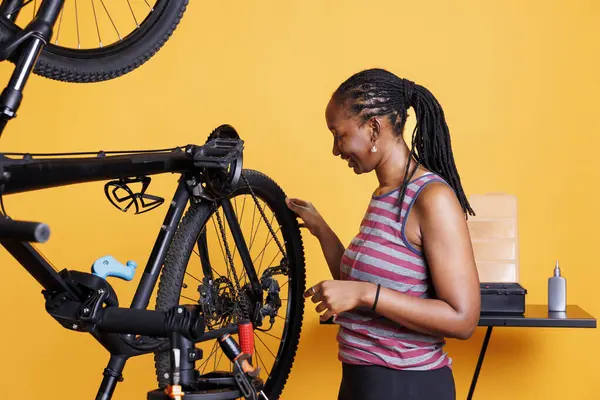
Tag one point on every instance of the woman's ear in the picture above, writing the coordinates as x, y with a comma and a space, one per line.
375, 128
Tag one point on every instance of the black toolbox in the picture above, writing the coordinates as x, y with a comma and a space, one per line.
502, 298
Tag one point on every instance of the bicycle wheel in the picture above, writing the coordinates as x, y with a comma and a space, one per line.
187, 275
100, 47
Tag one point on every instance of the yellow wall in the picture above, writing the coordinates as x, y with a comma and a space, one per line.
518, 82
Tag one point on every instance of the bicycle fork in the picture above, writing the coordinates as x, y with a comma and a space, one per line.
36, 35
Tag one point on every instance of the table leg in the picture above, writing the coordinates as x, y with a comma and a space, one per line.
486, 340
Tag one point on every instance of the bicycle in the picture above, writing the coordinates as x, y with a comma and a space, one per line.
247, 302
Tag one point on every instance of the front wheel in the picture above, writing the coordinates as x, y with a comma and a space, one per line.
99, 40
203, 266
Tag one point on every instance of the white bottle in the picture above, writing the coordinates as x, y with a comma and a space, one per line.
557, 291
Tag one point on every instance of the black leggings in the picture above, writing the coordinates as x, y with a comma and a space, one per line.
372, 382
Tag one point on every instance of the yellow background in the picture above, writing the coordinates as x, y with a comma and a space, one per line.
519, 85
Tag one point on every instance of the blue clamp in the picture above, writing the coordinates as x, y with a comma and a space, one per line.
108, 266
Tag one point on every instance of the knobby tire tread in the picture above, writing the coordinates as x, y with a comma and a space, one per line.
66, 70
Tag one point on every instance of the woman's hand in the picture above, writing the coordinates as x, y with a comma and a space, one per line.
311, 218
314, 222
337, 296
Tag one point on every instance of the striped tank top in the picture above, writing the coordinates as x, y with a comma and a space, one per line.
380, 253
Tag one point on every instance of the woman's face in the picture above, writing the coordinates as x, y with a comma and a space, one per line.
352, 141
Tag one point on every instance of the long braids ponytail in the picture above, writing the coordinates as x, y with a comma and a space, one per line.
377, 92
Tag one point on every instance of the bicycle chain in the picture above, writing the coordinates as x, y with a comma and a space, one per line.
230, 260
262, 213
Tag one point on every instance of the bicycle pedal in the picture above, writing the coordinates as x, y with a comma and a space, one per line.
108, 266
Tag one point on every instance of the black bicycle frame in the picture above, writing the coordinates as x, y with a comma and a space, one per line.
32, 174
28, 174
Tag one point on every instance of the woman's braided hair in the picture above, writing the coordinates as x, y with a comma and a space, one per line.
377, 92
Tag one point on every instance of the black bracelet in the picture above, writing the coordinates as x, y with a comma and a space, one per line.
376, 297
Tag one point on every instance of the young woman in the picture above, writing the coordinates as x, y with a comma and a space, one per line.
408, 279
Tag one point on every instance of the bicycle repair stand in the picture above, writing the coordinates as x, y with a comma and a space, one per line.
188, 384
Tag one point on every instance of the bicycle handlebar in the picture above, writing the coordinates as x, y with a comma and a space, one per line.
23, 231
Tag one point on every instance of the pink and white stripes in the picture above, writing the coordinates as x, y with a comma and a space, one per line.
380, 253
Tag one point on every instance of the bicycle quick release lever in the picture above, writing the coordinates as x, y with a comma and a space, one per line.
108, 266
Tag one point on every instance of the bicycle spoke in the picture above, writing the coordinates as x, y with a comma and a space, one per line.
77, 24
212, 268
230, 311
214, 349
252, 232
187, 273
267, 241
271, 263
262, 251
111, 20
62, 11
264, 344
97, 25
256, 359
243, 207
261, 360
266, 244
93, 24
189, 298
133, 14
269, 334
217, 362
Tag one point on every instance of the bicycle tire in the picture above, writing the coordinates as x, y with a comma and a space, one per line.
179, 253
115, 60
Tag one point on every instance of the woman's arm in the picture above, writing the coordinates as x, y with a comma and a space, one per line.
449, 253
333, 249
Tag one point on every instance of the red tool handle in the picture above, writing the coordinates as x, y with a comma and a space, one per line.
246, 336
